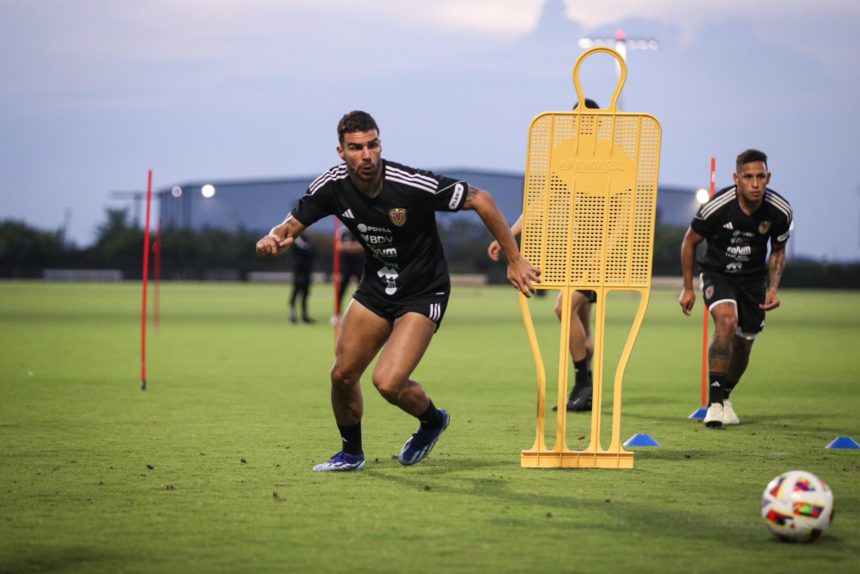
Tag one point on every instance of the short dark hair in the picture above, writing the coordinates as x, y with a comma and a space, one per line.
355, 121
589, 104
749, 156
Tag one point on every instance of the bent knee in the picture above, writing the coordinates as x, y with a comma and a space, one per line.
342, 376
388, 385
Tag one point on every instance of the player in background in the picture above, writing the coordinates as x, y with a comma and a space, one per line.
351, 265
303, 260
390, 208
581, 341
739, 281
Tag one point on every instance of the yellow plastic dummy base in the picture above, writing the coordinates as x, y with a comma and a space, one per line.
574, 459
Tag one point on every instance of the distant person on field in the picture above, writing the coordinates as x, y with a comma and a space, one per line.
303, 260
351, 264
581, 341
739, 282
391, 209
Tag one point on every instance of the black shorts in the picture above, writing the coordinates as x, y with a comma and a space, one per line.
746, 294
431, 306
591, 296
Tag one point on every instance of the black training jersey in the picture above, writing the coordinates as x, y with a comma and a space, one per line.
737, 242
397, 228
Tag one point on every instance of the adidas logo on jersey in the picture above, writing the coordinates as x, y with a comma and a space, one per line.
728, 225
347, 214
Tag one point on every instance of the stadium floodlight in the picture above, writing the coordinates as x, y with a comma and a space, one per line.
702, 195
176, 191
620, 43
208, 191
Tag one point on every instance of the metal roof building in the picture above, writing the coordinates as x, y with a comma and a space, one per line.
257, 205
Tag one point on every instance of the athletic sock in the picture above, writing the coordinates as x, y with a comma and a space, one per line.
351, 436
728, 388
430, 419
715, 390
580, 369
581, 377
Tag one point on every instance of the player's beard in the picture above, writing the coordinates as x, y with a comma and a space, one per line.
366, 172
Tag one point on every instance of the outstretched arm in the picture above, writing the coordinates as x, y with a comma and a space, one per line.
280, 238
521, 273
494, 249
688, 256
776, 264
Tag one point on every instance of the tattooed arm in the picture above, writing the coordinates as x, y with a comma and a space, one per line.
774, 273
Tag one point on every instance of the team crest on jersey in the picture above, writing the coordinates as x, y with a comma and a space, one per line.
397, 216
764, 227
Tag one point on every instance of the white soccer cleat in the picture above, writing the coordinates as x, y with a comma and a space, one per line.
714, 416
341, 462
730, 417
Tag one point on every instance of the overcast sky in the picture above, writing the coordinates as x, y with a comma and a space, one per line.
94, 93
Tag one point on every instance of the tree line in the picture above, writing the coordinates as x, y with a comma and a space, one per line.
26, 251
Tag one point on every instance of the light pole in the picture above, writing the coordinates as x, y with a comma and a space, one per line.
620, 43
137, 198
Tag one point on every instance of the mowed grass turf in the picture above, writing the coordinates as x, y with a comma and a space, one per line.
209, 470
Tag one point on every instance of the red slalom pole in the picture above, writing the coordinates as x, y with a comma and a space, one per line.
336, 277
705, 330
145, 277
156, 250
701, 412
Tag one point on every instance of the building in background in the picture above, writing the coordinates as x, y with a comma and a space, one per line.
258, 204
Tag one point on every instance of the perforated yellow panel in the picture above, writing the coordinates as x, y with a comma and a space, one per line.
589, 205
590, 198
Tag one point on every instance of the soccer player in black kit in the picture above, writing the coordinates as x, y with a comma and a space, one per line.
399, 304
739, 280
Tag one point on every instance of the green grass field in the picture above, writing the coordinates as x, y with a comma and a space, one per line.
209, 470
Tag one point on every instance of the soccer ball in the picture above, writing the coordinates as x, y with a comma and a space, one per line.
797, 506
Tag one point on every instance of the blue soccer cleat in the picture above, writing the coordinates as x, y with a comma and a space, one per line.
341, 462
419, 445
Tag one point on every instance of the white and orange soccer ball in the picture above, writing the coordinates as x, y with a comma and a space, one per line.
797, 506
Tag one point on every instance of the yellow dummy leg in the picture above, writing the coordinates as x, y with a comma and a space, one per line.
539, 445
615, 444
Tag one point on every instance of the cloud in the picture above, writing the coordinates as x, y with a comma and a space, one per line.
688, 14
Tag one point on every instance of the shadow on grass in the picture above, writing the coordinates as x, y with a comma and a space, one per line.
534, 508
53, 559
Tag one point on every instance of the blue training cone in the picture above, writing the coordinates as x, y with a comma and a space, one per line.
641, 440
698, 413
845, 442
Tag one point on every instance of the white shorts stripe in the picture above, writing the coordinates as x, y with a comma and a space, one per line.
747, 336
721, 301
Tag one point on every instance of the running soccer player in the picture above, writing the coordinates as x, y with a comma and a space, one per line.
739, 282
401, 300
